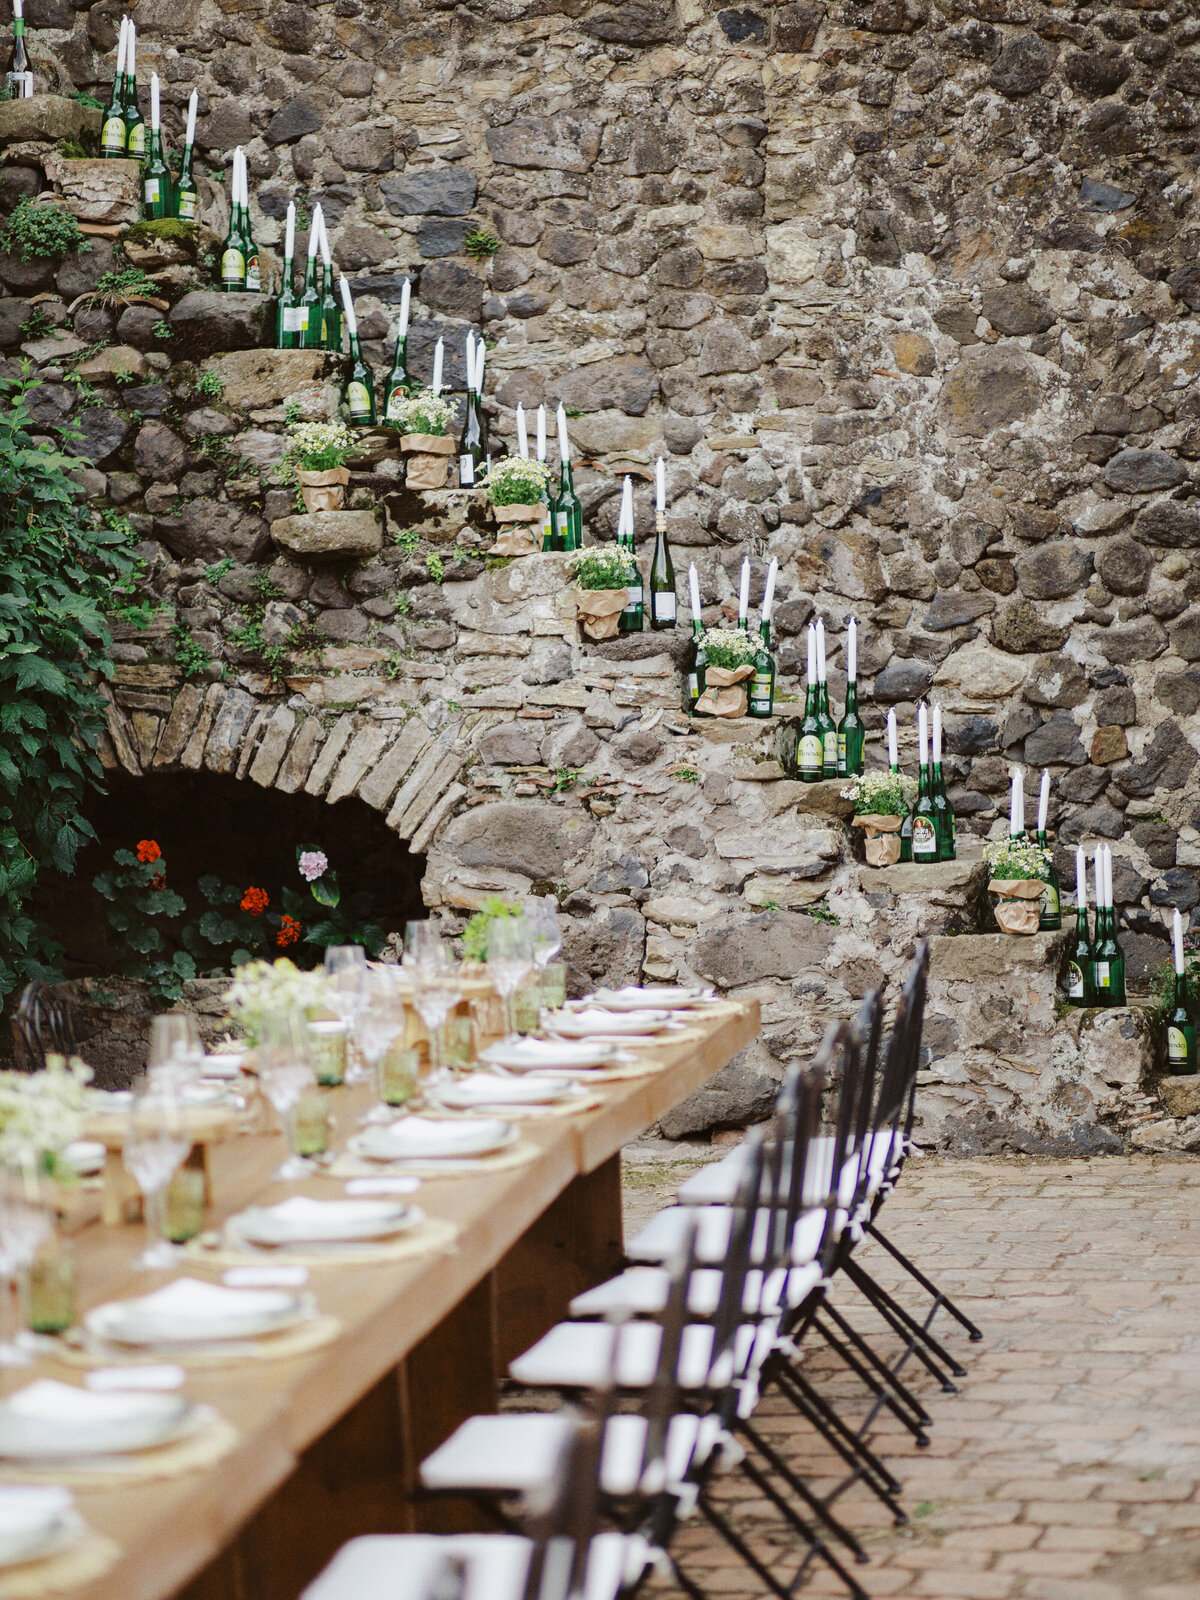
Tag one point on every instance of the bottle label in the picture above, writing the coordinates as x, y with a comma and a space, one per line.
113, 137
663, 605
693, 686
634, 591
358, 400
810, 753
1050, 905
253, 275
841, 755
760, 694
137, 139
1101, 972
564, 525
395, 400
924, 837
1075, 981
152, 187
301, 315
466, 472
233, 267
547, 528
187, 205
295, 319
1177, 1050
830, 750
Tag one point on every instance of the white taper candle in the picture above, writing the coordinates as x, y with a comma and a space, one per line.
289, 232
937, 735
193, 105
1177, 940
812, 655
405, 297
326, 254
769, 592
541, 433
1044, 800
744, 591
820, 651
469, 360
694, 590
348, 305
1012, 805
893, 750
439, 350
122, 44
660, 484
154, 105
922, 735
1108, 895
314, 230
522, 434
564, 444
627, 506
852, 652
1080, 878
1098, 874
480, 359
131, 49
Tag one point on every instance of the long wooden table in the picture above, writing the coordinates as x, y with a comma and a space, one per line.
329, 1442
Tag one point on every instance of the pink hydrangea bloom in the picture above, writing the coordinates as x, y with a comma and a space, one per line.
313, 864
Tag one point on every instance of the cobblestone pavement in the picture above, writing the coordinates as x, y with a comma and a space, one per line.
1067, 1467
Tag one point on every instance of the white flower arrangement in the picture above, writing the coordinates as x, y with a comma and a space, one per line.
42, 1112
1016, 858
423, 412
319, 446
514, 481
602, 566
728, 647
881, 793
264, 987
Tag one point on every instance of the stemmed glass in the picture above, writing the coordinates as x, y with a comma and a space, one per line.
379, 1021
156, 1145
286, 1073
346, 972
542, 916
509, 959
175, 1044
25, 1220
436, 987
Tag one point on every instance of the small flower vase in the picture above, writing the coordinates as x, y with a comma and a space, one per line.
882, 837
323, 491
599, 611
427, 459
516, 536
1018, 904
724, 691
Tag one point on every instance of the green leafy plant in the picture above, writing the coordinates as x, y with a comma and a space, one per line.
565, 779
601, 566
686, 774
882, 794
137, 901
191, 658
292, 412
821, 913
162, 329
1015, 858
408, 540
36, 324
122, 286
217, 571
210, 384
1163, 979
46, 232
88, 100
122, 376
474, 939
57, 569
435, 566
248, 636
403, 604
513, 481
423, 412
481, 244
728, 647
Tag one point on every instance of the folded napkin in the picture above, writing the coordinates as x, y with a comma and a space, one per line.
24, 1506
190, 1298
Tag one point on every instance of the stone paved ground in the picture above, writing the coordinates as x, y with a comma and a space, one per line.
1068, 1465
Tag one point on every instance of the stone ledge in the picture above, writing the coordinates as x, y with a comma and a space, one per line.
1180, 1095
329, 535
46, 117
822, 799
962, 879
970, 956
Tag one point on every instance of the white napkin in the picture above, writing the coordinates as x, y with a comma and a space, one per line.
48, 1400
189, 1297
24, 1507
489, 1089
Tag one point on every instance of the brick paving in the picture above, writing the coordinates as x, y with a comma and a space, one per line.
1067, 1467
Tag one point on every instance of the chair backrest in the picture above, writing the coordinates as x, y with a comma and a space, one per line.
895, 1108
42, 1025
867, 1029
561, 1524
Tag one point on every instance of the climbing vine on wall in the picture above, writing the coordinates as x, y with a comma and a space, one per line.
56, 575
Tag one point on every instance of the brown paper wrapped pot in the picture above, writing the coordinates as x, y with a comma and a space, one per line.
723, 695
323, 491
599, 611
1019, 904
882, 842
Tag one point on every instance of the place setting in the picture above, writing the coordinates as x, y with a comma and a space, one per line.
305, 1232
45, 1544
420, 1146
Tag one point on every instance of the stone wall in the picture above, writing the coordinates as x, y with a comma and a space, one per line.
905, 289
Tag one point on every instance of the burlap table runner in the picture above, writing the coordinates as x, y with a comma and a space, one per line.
88, 1558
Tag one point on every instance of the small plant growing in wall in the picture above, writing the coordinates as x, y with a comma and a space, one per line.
45, 232
210, 384
481, 244
191, 658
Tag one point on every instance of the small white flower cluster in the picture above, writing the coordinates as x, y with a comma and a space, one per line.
514, 481
1016, 858
310, 439
423, 412
42, 1112
728, 647
263, 987
882, 793
602, 566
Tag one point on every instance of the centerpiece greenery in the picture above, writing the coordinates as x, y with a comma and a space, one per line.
1018, 869
729, 648
1010, 858
601, 566
422, 413
475, 934
882, 793
515, 481
315, 458
41, 1113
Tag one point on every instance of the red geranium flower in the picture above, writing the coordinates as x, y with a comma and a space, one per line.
289, 931
147, 850
255, 901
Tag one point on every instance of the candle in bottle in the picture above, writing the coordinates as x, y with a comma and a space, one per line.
438, 358
852, 651
405, 297
522, 435
744, 595
541, 433
893, 750
1043, 802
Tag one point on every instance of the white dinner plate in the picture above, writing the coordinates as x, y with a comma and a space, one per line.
191, 1312
491, 1089
85, 1157
432, 1139
35, 1522
48, 1420
664, 996
223, 1064
304, 1221
605, 1024
533, 1055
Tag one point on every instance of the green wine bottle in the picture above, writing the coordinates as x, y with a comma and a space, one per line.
157, 187
1050, 915
943, 810
287, 322
253, 262
135, 128
924, 817
1080, 991
549, 500
632, 616
112, 131
663, 604
894, 766
399, 385
1108, 961
233, 256
359, 391
330, 310
693, 678
810, 750
1181, 1024
187, 196
762, 685
471, 452
829, 734
309, 321
851, 733
568, 511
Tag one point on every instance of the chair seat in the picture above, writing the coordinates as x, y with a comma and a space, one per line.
579, 1355
663, 1235
717, 1184
403, 1566
643, 1291
517, 1453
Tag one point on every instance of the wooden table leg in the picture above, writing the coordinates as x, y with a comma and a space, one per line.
575, 1244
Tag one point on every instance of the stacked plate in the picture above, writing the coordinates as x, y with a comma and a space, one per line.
594, 1023
301, 1221
433, 1139
50, 1421
662, 996
189, 1312
36, 1523
493, 1089
559, 1055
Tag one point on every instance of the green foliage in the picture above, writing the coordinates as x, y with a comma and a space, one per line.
56, 572
821, 913
292, 412
275, 659
161, 228
481, 244
435, 567
36, 324
137, 900
408, 540
210, 384
220, 455
248, 636
393, 667
686, 774
162, 329
88, 100
476, 931
191, 658
118, 286
73, 149
217, 571
403, 604
1162, 983
565, 779
48, 232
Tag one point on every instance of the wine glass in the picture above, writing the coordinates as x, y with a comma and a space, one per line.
156, 1145
345, 972
509, 958
286, 1073
175, 1044
25, 1220
436, 992
380, 1019
542, 916
423, 944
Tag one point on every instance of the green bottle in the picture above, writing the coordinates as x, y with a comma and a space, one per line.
568, 511
829, 734
157, 187
693, 678
287, 319
1080, 991
1108, 959
359, 391
762, 685
1181, 1024
663, 605
851, 733
924, 815
399, 385
135, 128
894, 766
309, 325
233, 255
632, 617
1050, 916
810, 750
253, 264
113, 131
944, 812
549, 500
330, 311
187, 196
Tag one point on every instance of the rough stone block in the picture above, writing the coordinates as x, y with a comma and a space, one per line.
45, 119
972, 956
1181, 1096
95, 190
330, 535
944, 882
820, 799
1118, 1044
208, 320
261, 378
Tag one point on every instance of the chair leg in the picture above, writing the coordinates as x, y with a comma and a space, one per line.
940, 1299
916, 1338
858, 1456
889, 1392
738, 1544
888, 1374
801, 1490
